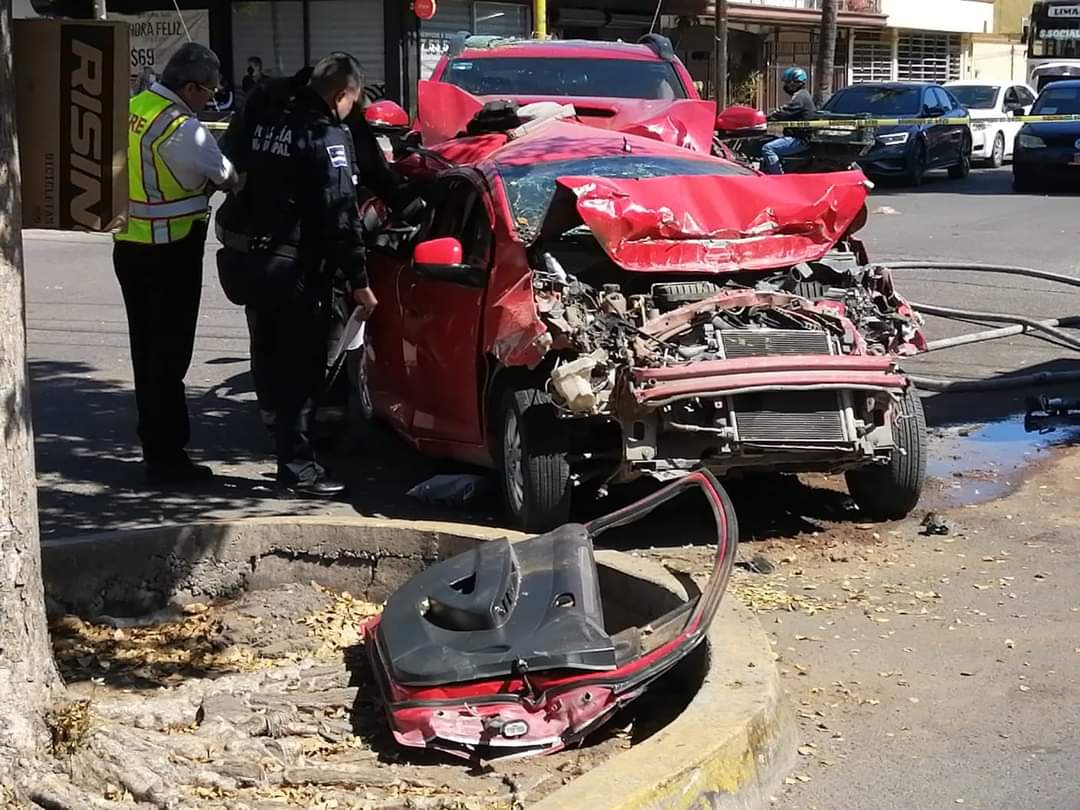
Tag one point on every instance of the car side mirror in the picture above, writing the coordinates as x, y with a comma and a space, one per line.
933, 112
440, 260
386, 115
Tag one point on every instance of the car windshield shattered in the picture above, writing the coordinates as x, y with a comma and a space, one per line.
530, 188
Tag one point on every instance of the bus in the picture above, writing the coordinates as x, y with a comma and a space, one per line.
1053, 41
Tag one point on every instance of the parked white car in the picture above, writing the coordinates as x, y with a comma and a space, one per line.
992, 104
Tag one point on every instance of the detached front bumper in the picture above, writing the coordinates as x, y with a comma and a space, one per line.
791, 413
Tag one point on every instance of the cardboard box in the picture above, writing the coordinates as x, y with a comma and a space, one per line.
71, 111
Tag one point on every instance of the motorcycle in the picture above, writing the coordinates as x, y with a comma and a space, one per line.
742, 131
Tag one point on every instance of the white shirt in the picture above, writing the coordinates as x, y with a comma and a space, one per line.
191, 152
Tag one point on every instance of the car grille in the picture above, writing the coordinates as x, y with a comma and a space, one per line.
769, 342
784, 418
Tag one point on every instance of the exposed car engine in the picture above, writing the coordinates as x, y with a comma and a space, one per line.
835, 307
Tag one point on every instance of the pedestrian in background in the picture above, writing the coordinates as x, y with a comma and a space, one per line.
253, 76
173, 165
298, 207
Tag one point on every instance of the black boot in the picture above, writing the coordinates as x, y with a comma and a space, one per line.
177, 471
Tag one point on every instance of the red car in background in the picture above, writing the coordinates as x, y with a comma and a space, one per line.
641, 88
580, 306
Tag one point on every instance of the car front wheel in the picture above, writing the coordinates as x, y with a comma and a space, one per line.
917, 166
534, 468
962, 169
997, 152
1022, 182
890, 491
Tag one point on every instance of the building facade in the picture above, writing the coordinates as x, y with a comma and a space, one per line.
905, 40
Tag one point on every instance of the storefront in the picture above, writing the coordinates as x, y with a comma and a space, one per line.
287, 34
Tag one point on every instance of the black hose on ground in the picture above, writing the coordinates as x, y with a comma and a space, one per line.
942, 385
1030, 272
946, 386
1001, 317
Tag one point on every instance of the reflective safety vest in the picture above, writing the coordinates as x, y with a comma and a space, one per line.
160, 210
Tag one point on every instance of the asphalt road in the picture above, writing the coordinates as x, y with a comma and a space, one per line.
84, 410
91, 480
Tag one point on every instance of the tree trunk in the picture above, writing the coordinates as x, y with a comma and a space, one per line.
27, 672
826, 55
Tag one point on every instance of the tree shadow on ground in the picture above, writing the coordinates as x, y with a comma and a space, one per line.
88, 462
91, 478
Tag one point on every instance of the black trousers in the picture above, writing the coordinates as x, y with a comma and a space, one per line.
162, 285
289, 322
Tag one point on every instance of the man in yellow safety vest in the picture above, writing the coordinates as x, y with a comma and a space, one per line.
174, 164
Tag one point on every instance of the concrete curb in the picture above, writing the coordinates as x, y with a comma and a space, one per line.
130, 573
728, 749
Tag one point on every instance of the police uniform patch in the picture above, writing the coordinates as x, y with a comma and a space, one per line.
338, 157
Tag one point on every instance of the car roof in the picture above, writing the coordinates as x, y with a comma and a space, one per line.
561, 49
1068, 83
892, 85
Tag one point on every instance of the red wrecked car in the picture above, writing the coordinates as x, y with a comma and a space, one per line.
579, 307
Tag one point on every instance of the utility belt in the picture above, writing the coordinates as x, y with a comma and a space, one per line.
246, 266
242, 243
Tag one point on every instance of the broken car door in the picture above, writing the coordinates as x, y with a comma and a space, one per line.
387, 385
441, 319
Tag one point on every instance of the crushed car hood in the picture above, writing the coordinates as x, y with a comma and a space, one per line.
716, 224
444, 110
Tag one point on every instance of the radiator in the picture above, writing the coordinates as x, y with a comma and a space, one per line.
766, 342
811, 417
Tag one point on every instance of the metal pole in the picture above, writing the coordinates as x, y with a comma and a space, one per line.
100, 12
540, 18
720, 34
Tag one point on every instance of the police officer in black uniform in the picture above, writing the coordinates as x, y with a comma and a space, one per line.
268, 100
298, 223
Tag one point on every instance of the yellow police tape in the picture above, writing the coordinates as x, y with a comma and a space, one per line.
859, 123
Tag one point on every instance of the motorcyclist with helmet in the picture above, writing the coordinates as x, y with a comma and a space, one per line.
801, 107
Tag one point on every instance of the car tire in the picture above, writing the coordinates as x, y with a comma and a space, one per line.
997, 151
962, 169
533, 455
364, 430
890, 491
359, 391
1022, 183
915, 174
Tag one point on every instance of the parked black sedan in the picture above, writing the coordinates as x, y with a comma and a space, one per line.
1049, 150
908, 151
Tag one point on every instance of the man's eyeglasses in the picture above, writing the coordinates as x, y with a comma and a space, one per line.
211, 90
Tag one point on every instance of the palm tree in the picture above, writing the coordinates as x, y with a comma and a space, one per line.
826, 54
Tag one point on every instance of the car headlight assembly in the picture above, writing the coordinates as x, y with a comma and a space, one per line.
1031, 141
894, 138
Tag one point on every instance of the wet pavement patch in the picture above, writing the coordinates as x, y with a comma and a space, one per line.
972, 464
